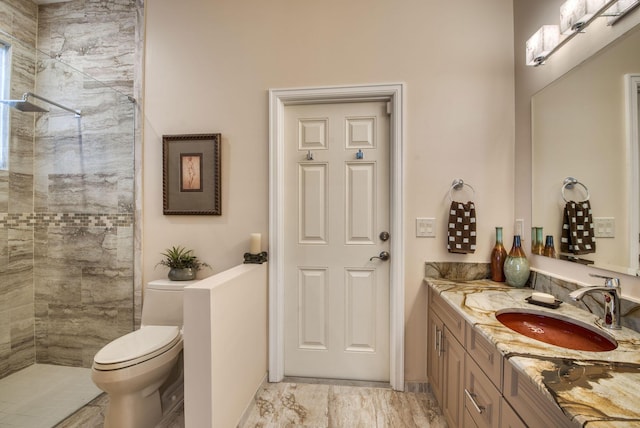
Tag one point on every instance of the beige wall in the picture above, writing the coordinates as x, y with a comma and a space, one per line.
528, 17
209, 65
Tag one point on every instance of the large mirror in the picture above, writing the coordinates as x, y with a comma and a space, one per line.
581, 128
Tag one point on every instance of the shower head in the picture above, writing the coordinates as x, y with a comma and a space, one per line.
25, 106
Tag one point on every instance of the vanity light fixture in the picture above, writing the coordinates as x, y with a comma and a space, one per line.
541, 44
577, 14
619, 9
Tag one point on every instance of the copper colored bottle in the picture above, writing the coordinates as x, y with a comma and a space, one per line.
498, 256
549, 248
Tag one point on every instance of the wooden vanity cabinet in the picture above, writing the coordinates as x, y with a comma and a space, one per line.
445, 369
529, 403
474, 385
508, 417
481, 397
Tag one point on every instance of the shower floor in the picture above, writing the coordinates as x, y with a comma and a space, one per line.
42, 395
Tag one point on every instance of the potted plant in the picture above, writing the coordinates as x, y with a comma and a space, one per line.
182, 263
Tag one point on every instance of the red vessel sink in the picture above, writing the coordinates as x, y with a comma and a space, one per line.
556, 330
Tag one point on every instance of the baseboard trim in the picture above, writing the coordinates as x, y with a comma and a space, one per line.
251, 405
417, 387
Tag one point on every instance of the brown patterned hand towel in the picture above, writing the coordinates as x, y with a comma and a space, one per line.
461, 233
577, 229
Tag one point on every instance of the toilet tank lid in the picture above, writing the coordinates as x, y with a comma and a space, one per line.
166, 284
137, 344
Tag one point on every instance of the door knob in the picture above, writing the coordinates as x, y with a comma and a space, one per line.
384, 256
384, 236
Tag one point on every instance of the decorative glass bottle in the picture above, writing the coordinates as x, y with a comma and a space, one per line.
516, 267
549, 248
534, 240
539, 250
498, 257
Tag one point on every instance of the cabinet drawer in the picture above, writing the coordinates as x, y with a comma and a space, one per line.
485, 354
508, 417
481, 397
529, 403
454, 322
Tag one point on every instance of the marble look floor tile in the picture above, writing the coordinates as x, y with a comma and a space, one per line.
284, 405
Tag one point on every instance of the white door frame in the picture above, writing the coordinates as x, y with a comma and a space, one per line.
632, 86
278, 99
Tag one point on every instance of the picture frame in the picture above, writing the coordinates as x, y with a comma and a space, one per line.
191, 174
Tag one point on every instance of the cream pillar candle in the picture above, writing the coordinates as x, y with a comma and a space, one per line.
255, 244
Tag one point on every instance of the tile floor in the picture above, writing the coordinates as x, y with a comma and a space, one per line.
329, 405
317, 405
42, 395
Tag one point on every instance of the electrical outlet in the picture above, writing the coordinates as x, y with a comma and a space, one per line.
425, 227
519, 228
604, 227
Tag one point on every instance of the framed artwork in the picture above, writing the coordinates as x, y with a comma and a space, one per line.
191, 174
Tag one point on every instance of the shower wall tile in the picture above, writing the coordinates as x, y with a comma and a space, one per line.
41, 312
65, 328
20, 242
19, 18
89, 193
22, 337
23, 68
4, 193
84, 290
82, 246
20, 193
85, 153
125, 245
107, 287
102, 48
57, 285
21, 145
102, 325
4, 253
5, 336
66, 262
76, 332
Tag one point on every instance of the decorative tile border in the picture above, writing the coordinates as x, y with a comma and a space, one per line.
8, 220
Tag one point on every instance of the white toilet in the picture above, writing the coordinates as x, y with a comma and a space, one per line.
135, 368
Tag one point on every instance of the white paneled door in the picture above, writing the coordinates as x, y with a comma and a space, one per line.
336, 215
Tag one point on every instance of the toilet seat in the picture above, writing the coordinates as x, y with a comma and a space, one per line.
136, 347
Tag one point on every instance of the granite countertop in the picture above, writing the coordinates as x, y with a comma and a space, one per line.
602, 388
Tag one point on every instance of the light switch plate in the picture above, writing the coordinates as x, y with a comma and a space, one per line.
425, 227
604, 227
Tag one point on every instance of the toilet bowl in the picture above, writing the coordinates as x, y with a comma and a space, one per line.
131, 370
134, 369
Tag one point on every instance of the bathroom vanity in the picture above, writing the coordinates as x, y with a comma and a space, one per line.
484, 374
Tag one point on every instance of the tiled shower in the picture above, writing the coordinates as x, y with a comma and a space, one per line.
67, 199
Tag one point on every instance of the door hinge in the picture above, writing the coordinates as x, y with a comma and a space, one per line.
389, 108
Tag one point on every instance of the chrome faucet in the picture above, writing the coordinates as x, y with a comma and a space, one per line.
611, 293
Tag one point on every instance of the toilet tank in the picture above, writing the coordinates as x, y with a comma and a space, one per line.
162, 302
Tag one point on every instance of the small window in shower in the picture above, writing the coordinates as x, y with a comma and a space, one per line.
5, 73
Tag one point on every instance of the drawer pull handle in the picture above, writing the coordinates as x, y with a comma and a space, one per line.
439, 338
471, 397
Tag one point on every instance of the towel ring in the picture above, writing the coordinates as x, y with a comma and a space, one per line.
458, 184
569, 183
